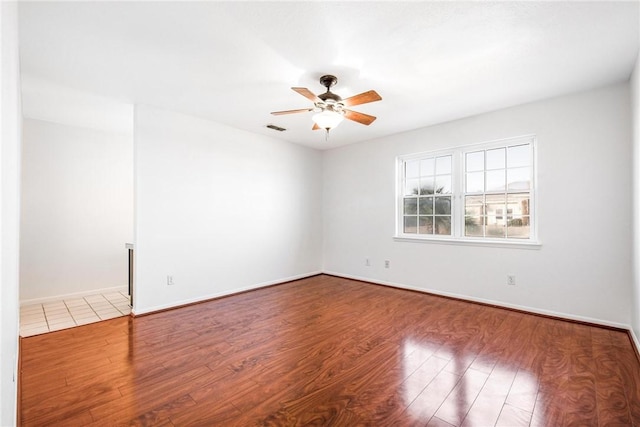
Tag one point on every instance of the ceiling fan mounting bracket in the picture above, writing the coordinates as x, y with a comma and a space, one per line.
328, 81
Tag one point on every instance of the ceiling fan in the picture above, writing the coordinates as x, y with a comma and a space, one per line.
330, 108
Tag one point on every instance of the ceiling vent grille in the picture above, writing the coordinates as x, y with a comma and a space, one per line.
278, 128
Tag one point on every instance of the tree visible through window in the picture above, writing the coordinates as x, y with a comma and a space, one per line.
427, 196
480, 192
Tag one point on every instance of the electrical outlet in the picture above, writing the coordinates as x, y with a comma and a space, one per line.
386, 263
169, 280
367, 262
511, 280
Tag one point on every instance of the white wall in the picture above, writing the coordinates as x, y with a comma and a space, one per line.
9, 209
219, 209
584, 267
635, 111
77, 209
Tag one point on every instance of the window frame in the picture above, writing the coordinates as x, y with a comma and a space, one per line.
458, 169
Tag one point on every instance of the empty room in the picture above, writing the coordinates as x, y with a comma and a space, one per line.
332, 213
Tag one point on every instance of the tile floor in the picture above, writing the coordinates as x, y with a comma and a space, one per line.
52, 316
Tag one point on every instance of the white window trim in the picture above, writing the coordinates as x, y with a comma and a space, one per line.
457, 214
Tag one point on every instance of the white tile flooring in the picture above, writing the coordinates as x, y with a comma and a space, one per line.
52, 316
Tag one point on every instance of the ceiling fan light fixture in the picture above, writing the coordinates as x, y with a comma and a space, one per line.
327, 119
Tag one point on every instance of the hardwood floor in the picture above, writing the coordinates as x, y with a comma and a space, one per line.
329, 351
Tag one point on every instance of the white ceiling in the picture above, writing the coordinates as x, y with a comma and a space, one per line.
235, 62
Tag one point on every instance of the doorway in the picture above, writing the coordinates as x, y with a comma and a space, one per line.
77, 205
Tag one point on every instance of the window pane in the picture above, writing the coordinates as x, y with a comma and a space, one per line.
475, 182
443, 165
426, 225
473, 226
411, 169
442, 225
496, 159
518, 178
426, 206
443, 184
495, 203
495, 227
495, 180
496, 220
518, 156
410, 224
518, 227
426, 185
475, 161
473, 205
410, 206
428, 167
443, 205
518, 203
411, 187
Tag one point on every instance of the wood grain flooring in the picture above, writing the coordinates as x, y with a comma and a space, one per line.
328, 351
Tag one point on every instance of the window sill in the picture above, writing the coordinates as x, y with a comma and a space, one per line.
471, 242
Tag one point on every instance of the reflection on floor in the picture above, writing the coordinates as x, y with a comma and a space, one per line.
52, 316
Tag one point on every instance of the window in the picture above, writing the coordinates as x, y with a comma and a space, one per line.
427, 196
476, 193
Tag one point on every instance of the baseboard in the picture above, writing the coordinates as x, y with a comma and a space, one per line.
533, 310
74, 295
190, 301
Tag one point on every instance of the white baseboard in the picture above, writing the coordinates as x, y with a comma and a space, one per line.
487, 301
73, 295
137, 312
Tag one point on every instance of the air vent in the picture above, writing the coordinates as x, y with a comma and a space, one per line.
278, 128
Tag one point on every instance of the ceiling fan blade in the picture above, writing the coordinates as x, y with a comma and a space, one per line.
316, 127
306, 93
302, 110
362, 118
363, 98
